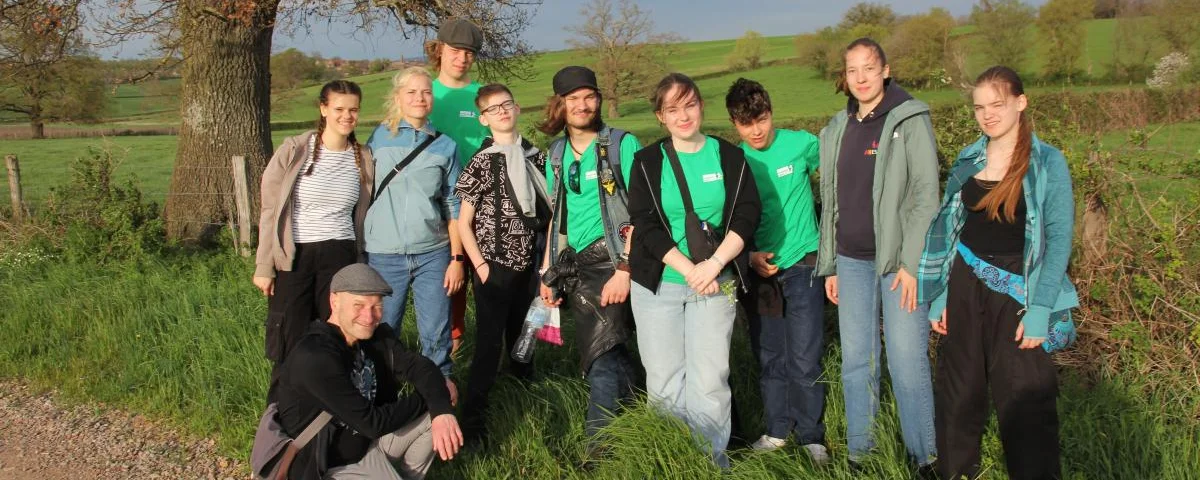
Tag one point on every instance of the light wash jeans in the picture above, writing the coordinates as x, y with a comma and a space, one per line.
426, 273
862, 294
683, 340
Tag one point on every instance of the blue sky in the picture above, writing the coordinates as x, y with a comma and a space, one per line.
693, 19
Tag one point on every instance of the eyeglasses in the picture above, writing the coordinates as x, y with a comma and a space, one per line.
573, 177
507, 106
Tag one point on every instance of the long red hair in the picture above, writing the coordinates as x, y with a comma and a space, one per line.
1003, 199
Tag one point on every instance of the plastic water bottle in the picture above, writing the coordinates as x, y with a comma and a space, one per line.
535, 318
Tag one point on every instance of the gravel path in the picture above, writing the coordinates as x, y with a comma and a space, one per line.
41, 439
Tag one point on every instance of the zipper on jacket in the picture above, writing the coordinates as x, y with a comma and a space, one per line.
728, 221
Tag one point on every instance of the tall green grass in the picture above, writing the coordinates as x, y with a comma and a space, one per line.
180, 338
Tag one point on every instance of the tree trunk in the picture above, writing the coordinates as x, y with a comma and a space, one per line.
225, 104
38, 128
613, 111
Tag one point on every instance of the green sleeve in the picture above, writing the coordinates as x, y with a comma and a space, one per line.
629, 146
812, 151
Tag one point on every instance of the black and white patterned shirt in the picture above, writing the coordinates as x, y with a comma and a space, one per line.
500, 232
324, 201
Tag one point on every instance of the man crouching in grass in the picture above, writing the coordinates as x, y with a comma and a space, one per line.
351, 366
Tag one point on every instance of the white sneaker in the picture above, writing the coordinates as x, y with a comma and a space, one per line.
767, 443
819, 454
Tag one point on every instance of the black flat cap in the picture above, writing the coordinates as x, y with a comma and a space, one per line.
574, 78
460, 33
359, 279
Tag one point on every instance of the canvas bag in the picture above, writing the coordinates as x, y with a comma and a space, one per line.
271, 442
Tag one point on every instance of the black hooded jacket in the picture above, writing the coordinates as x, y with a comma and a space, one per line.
316, 376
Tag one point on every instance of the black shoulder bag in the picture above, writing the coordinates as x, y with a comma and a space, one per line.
702, 240
403, 163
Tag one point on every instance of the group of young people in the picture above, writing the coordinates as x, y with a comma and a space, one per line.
666, 239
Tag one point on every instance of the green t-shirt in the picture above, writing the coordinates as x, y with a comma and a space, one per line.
584, 223
454, 114
706, 182
788, 227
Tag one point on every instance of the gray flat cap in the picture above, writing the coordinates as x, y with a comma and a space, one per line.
359, 279
460, 33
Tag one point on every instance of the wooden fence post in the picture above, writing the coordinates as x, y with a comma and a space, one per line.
241, 192
14, 186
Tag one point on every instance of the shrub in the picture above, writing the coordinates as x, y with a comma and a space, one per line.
99, 219
1168, 70
748, 51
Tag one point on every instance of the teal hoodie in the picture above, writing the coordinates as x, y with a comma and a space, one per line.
904, 192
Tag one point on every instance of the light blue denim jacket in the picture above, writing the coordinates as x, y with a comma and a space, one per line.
410, 215
1049, 227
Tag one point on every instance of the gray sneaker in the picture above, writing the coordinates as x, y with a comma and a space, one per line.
767, 443
819, 454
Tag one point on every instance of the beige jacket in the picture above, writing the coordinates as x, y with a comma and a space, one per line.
276, 250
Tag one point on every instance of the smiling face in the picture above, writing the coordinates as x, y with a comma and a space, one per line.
582, 106
997, 111
356, 315
341, 113
415, 98
456, 62
759, 133
681, 115
865, 72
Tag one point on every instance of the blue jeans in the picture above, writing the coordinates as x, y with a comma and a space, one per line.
789, 349
862, 294
610, 382
683, 339
426, 273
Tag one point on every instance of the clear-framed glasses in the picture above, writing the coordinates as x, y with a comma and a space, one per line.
507, 106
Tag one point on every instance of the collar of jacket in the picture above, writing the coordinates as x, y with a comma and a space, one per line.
429, 128
972, 159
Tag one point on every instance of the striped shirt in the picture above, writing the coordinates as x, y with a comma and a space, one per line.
325, 200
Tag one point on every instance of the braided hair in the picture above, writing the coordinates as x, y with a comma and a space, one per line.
343, 87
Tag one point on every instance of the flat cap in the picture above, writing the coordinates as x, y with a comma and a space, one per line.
460, 33
359, 279
574, 78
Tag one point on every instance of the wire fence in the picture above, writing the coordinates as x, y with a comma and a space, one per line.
23, 202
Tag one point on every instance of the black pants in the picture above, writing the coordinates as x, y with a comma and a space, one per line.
302, 295
979, 352
500, 307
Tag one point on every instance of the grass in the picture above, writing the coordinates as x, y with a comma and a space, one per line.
180, 338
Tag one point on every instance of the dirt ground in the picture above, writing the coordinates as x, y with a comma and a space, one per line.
42, 439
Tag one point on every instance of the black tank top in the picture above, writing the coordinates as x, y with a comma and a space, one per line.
984, 236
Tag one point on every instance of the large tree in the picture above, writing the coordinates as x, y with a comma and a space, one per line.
1061, 24
1004, 30
45, 74
1178, 22
628, 54
225, 84
918, 49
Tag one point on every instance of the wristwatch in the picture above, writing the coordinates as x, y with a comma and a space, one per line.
459, 258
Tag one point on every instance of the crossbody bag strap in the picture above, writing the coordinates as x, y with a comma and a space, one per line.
280, 472
403, 163
677, 167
